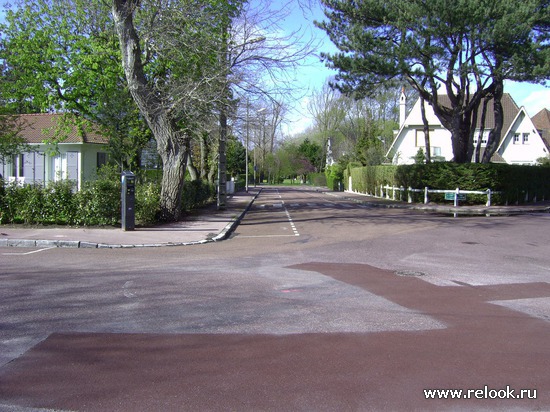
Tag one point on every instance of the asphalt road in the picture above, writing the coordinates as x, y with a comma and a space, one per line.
315, 303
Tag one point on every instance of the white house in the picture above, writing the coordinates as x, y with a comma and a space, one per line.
79, 154
521, 143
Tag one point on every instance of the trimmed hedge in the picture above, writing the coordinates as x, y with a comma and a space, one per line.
335, 177
98, 202
517, 184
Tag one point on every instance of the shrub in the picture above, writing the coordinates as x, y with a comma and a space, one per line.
197, 193
517, 184
147, 203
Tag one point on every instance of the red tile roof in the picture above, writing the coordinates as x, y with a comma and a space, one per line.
35, 128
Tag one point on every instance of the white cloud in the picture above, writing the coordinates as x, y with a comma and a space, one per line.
536, 101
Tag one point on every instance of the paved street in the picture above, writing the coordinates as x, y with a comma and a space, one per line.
314, 303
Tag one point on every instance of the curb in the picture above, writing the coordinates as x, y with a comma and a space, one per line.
76, 244
480, 211
227, 230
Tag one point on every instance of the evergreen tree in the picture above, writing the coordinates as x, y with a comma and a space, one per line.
465, 48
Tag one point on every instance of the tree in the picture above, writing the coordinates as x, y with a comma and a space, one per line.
11, 143
62, 56
236, 156
466, 47
329, 111
311, 152
186, 47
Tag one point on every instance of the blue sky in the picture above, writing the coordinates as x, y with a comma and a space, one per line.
312, 77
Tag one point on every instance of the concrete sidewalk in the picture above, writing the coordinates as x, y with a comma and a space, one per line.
203, 226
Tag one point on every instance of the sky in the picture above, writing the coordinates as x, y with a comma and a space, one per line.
312, 77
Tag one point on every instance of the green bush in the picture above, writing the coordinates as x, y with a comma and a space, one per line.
98, 203
516, 184
335, 176
197, 193
147, 203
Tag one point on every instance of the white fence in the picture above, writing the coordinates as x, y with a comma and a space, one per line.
456, 195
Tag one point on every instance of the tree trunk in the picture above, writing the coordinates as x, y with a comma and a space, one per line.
426, 130
222, 160
170, 146
481, 131
193, 172
496, 133
458, 122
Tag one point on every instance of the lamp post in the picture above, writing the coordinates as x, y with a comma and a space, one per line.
262, 110
246, 151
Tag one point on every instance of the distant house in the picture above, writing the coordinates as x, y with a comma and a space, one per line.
79, 153
542, 122
521, 143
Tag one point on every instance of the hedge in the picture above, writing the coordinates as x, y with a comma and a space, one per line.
516, 184
98, 202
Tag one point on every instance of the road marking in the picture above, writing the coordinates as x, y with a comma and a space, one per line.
292, 225
254, 236
27, 253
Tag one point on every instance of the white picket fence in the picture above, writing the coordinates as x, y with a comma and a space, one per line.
456, 195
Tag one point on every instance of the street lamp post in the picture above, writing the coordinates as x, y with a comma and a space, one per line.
262, 110
246, 150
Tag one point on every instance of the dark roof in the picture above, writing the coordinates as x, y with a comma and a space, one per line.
35, 128
542, 122
509, 106
542, 119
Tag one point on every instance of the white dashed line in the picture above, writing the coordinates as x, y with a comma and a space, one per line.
292, 225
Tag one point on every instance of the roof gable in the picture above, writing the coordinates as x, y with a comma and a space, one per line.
542, 119
35, 128
509, 107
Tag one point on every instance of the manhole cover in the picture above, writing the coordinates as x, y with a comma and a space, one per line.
409, 273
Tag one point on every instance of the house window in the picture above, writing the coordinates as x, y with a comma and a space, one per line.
101, 159
436, 151
525, 138
17, 166
420, 137
516, 138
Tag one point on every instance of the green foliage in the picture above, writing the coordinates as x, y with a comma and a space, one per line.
236, 157
420, 157
368, 149
99, 201
197, 193
147, 203
469, 47
11, 143
64, 55
517, 184
312, 153
32, 204
335, 176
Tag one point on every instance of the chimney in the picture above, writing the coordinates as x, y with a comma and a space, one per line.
402, 107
